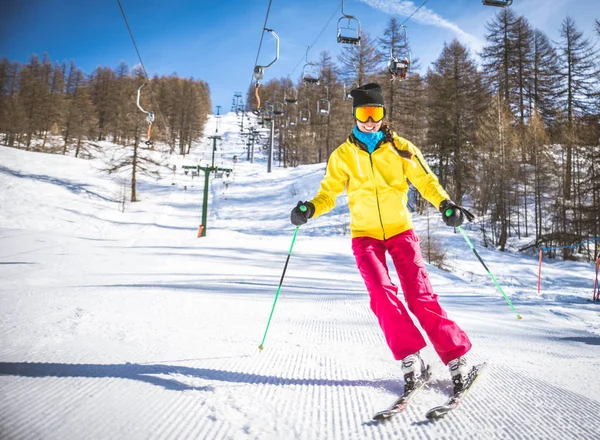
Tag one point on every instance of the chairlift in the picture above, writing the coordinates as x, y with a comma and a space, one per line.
290, 95
310, 72
498, 3
268, 113
347, 90
323, 104
259, 71
292, 120
149, 117
349, 34
399, 67
278, 109
310, 75
304, 116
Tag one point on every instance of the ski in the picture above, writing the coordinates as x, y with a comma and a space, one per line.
402, 402
440, 412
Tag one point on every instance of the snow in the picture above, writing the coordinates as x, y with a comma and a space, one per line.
125, 325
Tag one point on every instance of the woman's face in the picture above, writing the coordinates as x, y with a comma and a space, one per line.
369, 126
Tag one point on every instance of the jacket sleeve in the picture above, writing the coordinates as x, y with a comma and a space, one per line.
332, 185
420, 175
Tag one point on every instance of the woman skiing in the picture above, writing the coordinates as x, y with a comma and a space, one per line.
373, 166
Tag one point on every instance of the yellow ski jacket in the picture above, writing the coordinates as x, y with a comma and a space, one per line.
377, 185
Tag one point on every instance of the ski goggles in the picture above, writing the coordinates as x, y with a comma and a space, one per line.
362, 114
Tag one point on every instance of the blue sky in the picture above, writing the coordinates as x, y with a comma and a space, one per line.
217, 41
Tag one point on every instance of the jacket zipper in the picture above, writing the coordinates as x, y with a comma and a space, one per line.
377, 196
421, 163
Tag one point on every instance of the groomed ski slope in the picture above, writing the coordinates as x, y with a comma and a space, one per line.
125, 325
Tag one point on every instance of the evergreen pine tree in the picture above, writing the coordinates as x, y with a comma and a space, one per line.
577, 81
456, 98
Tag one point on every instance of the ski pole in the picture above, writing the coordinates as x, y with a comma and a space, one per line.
486, 268
261, 346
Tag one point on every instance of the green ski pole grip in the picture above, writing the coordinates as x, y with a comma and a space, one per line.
303, 208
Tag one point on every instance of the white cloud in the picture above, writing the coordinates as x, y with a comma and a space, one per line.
425, 16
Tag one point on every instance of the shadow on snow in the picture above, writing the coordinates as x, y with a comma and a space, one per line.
150, 374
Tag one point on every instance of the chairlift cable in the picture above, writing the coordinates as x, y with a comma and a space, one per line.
143, 67
262, 35
316, 39
416, 10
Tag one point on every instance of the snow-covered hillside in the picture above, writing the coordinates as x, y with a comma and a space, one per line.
125, 325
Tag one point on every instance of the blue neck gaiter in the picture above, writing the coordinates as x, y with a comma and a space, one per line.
369, 139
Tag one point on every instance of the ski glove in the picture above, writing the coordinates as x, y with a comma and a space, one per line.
299, 216
453, 214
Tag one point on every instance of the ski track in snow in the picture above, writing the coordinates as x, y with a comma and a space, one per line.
125, 326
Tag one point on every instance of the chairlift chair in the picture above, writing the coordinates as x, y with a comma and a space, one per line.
399, 66
290, 96
347, 95
323, 106
278, 109
310, 71
347, 90
292, 120
268, 113
498, 3
354, 37
259, 71
310, 74
305, 116
349, 34
149, 117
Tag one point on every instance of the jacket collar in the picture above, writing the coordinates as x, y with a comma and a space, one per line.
354, 140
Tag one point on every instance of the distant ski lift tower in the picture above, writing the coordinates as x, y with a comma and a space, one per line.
235, 104
349, 34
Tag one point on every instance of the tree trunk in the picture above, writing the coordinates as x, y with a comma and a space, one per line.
134, 167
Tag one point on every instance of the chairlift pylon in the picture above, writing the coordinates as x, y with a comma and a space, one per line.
349, 34
149, 117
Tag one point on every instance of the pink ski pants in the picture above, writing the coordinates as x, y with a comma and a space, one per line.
401, 334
